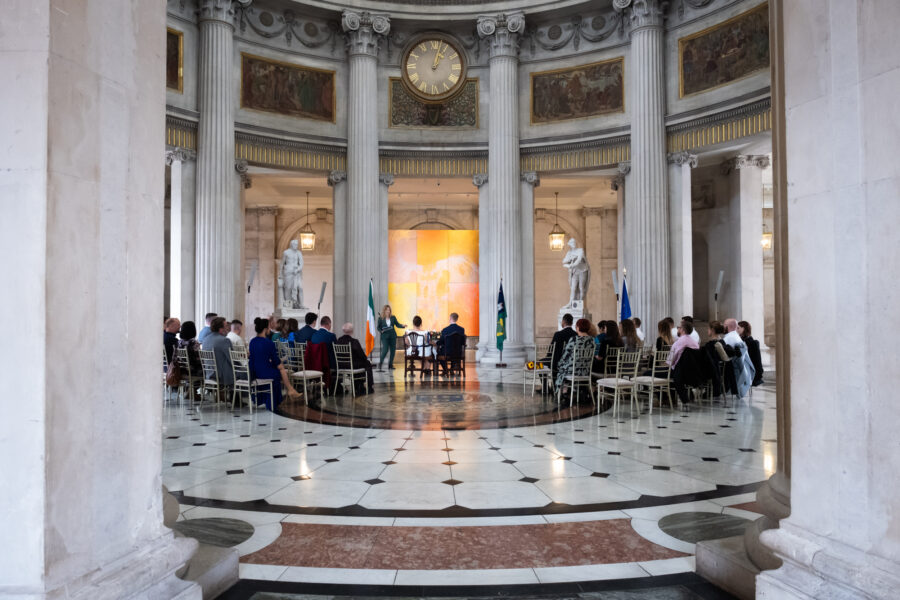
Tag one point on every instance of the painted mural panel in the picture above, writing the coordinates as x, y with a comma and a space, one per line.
433, 273
287, 89
578, 92
174, 60
459, 112
725, 52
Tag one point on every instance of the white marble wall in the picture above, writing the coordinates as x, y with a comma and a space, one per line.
80, 437
841, 539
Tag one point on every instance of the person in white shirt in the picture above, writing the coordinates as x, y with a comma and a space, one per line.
234, 336
638, 330
422, 340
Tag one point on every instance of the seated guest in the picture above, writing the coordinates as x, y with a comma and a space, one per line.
716, 352
664, 339
630, 336
221, 347
306, 333
324, 336
279, 332
693, 333
582, 339
265, 364
187, 338
672, 328
290, 330
205, 331
453, 337
597, 366
418, 341
744, 330
685, 340
172, 327
613, 339
637, 329
559, 341
360, 360
234, 336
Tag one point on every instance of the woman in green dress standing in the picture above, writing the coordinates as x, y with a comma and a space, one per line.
386, 323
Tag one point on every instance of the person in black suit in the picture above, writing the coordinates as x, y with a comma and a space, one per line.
560, 338
306, 333
357, 354
452, 338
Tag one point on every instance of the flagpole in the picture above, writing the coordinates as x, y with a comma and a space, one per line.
501, 364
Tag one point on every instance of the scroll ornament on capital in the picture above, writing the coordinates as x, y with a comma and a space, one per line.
386, 179
179, 155
364, 31
643, 13
242, 167
618, 181
479, 179
503, 32
532, 178
744, 161
220, 10
683, 158
336, 177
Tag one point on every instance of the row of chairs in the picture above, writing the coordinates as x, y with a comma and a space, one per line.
345, 373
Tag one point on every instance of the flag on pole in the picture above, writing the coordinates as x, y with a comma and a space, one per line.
501, 319
370, 322
626, 307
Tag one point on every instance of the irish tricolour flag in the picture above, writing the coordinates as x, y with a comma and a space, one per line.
370, 322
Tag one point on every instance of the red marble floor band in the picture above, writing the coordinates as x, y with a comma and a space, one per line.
430, 548
749, 506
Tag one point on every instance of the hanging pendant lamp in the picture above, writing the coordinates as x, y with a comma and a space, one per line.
307, 235
557, 235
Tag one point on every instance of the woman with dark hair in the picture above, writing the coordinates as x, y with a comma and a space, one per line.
188, 339
744, 331
291, 329
280, 332
581, 340
664, 338
630, 336
265, 364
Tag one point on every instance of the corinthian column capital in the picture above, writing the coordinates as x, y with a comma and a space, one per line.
364, 31
386, 179
744, 161
532, 178
479, 179
682, 158
643, 13
336, 177
220, 10
503, 32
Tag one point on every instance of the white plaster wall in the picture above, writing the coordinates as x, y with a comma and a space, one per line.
712, 244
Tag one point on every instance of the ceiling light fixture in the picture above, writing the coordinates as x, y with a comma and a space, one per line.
307, 235
557, 235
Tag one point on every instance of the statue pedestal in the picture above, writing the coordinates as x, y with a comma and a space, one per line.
576, 310
291, 313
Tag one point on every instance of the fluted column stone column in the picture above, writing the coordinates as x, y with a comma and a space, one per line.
646, 226
337, 180
487, 303
380, 249
619, 185
219, 214
502, 32
530, 181
179, 212
680, 231
365, 206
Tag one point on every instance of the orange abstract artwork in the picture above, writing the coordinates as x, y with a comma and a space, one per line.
433, 273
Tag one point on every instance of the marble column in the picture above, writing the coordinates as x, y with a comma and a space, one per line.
487, 301
745, 216
380, 249
502, 33
337, 180
82, 239
619, 185
175, 158
364, 218
260, 262
530, 181
681, 256
219, 214
647, 224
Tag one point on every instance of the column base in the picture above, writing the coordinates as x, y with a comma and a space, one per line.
820, 567
514, 355
724, 563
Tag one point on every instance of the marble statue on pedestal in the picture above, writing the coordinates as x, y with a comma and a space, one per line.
579, 274
291, 277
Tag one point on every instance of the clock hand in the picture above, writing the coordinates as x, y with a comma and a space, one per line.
437, 57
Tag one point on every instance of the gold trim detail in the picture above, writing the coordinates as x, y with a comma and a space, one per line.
180, 137
292, 66
682, 41
180, 35
563, 69
264, 155
436, 166
717, 133
570, 160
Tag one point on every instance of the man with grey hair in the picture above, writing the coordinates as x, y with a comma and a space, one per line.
357, 354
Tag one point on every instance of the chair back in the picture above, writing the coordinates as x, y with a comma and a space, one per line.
208, 361
611, 362
416, 343
454, 345
627, 364
241, 366
284, 349
184, 363
583, 358
343, 357
660, 368
542, 351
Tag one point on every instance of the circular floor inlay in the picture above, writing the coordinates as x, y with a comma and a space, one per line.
694, 527
216, 531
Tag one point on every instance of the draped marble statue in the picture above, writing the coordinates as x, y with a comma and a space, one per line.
579, 274
291, 279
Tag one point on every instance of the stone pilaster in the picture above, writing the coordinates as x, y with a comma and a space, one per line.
530, 181
681, 260
487, 303
502, 32
745, 222
219, 215
181, 234
385, 181
646, 226
364, 218
337, 180
619, 185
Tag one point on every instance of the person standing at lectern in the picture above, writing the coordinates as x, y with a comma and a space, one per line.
386, 323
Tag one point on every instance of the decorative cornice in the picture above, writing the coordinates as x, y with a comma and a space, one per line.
682, 158
692, 4
643, 14
386, 179
222, 11
336, 177
364, 31
744, 161
263, 210
555, 36
479, 179
180, 155
532, 178
270, 25
502, 32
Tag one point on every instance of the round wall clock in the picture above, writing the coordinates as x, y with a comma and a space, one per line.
433, 67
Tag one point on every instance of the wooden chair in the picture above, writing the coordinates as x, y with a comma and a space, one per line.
657, 381
622, 381
579, 373
344, 370
416, 352
453, 356
544, 373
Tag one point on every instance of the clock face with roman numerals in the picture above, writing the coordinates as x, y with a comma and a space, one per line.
433, 68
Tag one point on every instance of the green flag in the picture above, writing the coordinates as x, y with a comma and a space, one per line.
501, 319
